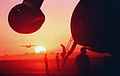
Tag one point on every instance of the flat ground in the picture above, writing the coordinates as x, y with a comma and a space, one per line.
36, 67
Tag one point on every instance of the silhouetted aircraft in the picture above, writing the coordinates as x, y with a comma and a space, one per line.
28, 46
94, 23
26, 17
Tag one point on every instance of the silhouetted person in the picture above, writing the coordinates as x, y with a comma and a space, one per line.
46, 64
63, 51
107, 65
57, 61
82, 62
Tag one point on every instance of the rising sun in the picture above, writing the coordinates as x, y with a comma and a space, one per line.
40, 49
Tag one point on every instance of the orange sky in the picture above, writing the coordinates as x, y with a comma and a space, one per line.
55, 30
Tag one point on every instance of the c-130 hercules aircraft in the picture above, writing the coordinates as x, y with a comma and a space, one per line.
94, 23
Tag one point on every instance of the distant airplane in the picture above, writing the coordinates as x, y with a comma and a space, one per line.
28, 46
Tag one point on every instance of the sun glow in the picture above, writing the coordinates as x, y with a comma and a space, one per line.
40, 49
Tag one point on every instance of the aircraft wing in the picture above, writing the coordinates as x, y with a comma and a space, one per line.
22, 46
33, 45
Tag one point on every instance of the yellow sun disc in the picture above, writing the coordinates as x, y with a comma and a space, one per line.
40, 49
